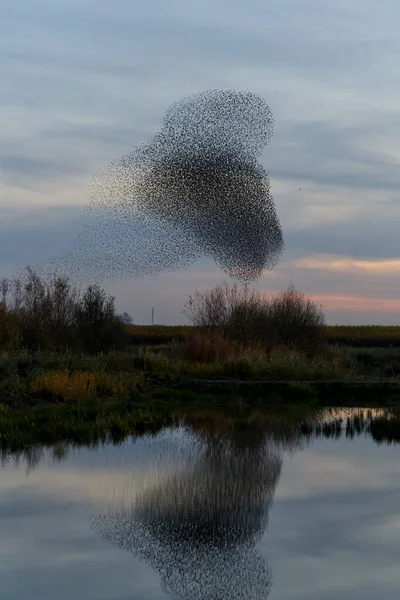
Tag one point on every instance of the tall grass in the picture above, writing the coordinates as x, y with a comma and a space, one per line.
281, 363
210, 346
85, 385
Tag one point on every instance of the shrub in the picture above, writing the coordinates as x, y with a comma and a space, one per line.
244, 315
159, 364
293, 320
224, 306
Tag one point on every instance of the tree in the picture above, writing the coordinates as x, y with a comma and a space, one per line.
61, 311
125, 318
10, 335
4, 289
32, 310
46, 310
99, 327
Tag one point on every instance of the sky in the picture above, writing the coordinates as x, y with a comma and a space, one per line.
84, 82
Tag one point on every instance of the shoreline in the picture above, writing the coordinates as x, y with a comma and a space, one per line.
26, 420
211, 391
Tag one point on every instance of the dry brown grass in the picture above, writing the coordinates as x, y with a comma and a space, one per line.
83, 385
214, 346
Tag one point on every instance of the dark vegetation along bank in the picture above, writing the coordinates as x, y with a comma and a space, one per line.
68, 357
82, 425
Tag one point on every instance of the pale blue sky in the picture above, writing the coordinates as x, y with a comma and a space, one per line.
84, 82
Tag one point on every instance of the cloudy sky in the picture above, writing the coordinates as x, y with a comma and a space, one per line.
85, 81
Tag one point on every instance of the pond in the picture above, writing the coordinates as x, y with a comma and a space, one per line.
208, 509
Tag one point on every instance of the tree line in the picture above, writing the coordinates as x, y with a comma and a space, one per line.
54, 314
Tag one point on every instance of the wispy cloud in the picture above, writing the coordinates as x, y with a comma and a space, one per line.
348, 265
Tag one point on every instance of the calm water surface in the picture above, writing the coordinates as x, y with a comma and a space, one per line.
203, 513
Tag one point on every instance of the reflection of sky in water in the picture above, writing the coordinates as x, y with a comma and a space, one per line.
333, 528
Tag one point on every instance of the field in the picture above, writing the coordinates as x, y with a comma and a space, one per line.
364, 336
157, 334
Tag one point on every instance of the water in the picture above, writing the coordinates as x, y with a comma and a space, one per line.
205, 511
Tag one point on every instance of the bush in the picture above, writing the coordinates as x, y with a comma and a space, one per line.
244, 315
293, 320
235, 310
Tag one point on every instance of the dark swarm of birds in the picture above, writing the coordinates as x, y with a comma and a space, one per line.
195, 190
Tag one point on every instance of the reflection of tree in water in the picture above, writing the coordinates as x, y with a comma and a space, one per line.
199, 528
34, 456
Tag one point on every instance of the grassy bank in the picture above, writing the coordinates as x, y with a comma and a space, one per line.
71, 376
46, 398
43, 378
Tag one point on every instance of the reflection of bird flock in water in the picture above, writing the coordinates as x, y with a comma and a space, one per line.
196, 189
194, 506
198, 528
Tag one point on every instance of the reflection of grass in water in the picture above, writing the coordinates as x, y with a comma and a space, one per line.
82, 423
93, 422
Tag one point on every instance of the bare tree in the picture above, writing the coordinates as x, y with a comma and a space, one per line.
34, 292
234, 309
99, 327
241, 313
4, 289
125, 318
62, 301
215, 306
17, 295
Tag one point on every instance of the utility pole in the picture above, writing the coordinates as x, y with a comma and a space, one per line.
152, 316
